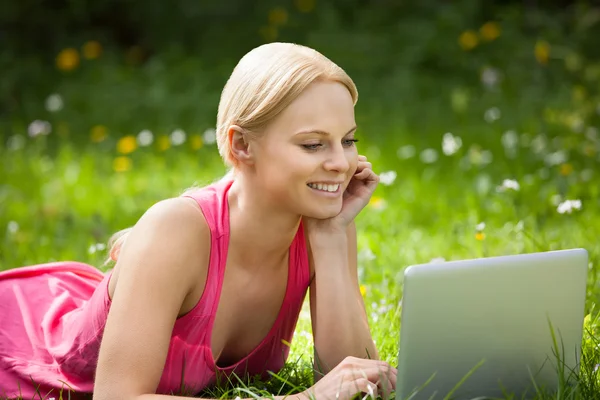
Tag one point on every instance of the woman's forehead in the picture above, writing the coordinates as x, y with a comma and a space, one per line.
324, 106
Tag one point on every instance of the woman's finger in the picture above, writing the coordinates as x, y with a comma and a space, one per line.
363, 164
362, 174
362, 158
367, 175
373, 370
363, 385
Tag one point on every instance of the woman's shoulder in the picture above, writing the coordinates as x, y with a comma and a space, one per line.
174, 217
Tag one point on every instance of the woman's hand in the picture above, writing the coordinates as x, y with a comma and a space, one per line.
355, 198
352, 376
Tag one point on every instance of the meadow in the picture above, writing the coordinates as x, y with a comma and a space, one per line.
491, 148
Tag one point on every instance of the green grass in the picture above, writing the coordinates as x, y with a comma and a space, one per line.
65, 200
60, 195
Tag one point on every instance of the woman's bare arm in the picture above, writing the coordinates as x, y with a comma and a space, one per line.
339, 321
163, 258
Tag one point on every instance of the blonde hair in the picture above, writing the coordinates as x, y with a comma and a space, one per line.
263, 83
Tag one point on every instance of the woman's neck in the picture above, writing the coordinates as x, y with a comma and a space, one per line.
260, 233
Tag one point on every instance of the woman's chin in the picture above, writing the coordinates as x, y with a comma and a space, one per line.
323, 213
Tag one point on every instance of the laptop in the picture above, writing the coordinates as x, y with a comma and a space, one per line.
484, 328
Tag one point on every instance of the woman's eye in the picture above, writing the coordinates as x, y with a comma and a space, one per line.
314, 146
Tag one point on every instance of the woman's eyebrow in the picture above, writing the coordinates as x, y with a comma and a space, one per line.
321, 132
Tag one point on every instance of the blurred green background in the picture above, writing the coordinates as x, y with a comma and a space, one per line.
481, 115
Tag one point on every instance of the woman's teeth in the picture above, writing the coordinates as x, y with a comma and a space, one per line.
324, 187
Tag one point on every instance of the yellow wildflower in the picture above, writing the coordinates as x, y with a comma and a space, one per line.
67, 59
542, 52
363, 290
127, 145
196, 142
377, 202
98, 133
305, 5
490, 31
163, 143
278, 16
468, 40
91, 50
122, 164
566, 169
589, 150
480, 236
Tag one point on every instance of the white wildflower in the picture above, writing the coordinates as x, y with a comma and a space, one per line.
450, 144
510, 139
387, 178
568, 206
39, 127
209, 136
480, 226
556, 158
538, 144
477, 156
586, 174
178, 137
509, 184
429, 156
483, 184
12, 227
54, 103
366, 255
96, 247
486, 157
15, 142
145, 138
490, 77
492, 115
406, 152
591, 133
519, 226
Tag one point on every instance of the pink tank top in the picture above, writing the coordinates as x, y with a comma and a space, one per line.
72, 303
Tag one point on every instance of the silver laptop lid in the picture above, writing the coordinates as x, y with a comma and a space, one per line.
491, 316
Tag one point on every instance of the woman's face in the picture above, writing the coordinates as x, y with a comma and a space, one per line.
307, 155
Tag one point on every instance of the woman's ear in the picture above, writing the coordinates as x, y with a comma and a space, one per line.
239, 144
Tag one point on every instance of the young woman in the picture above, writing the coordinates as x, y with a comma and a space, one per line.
212, 282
